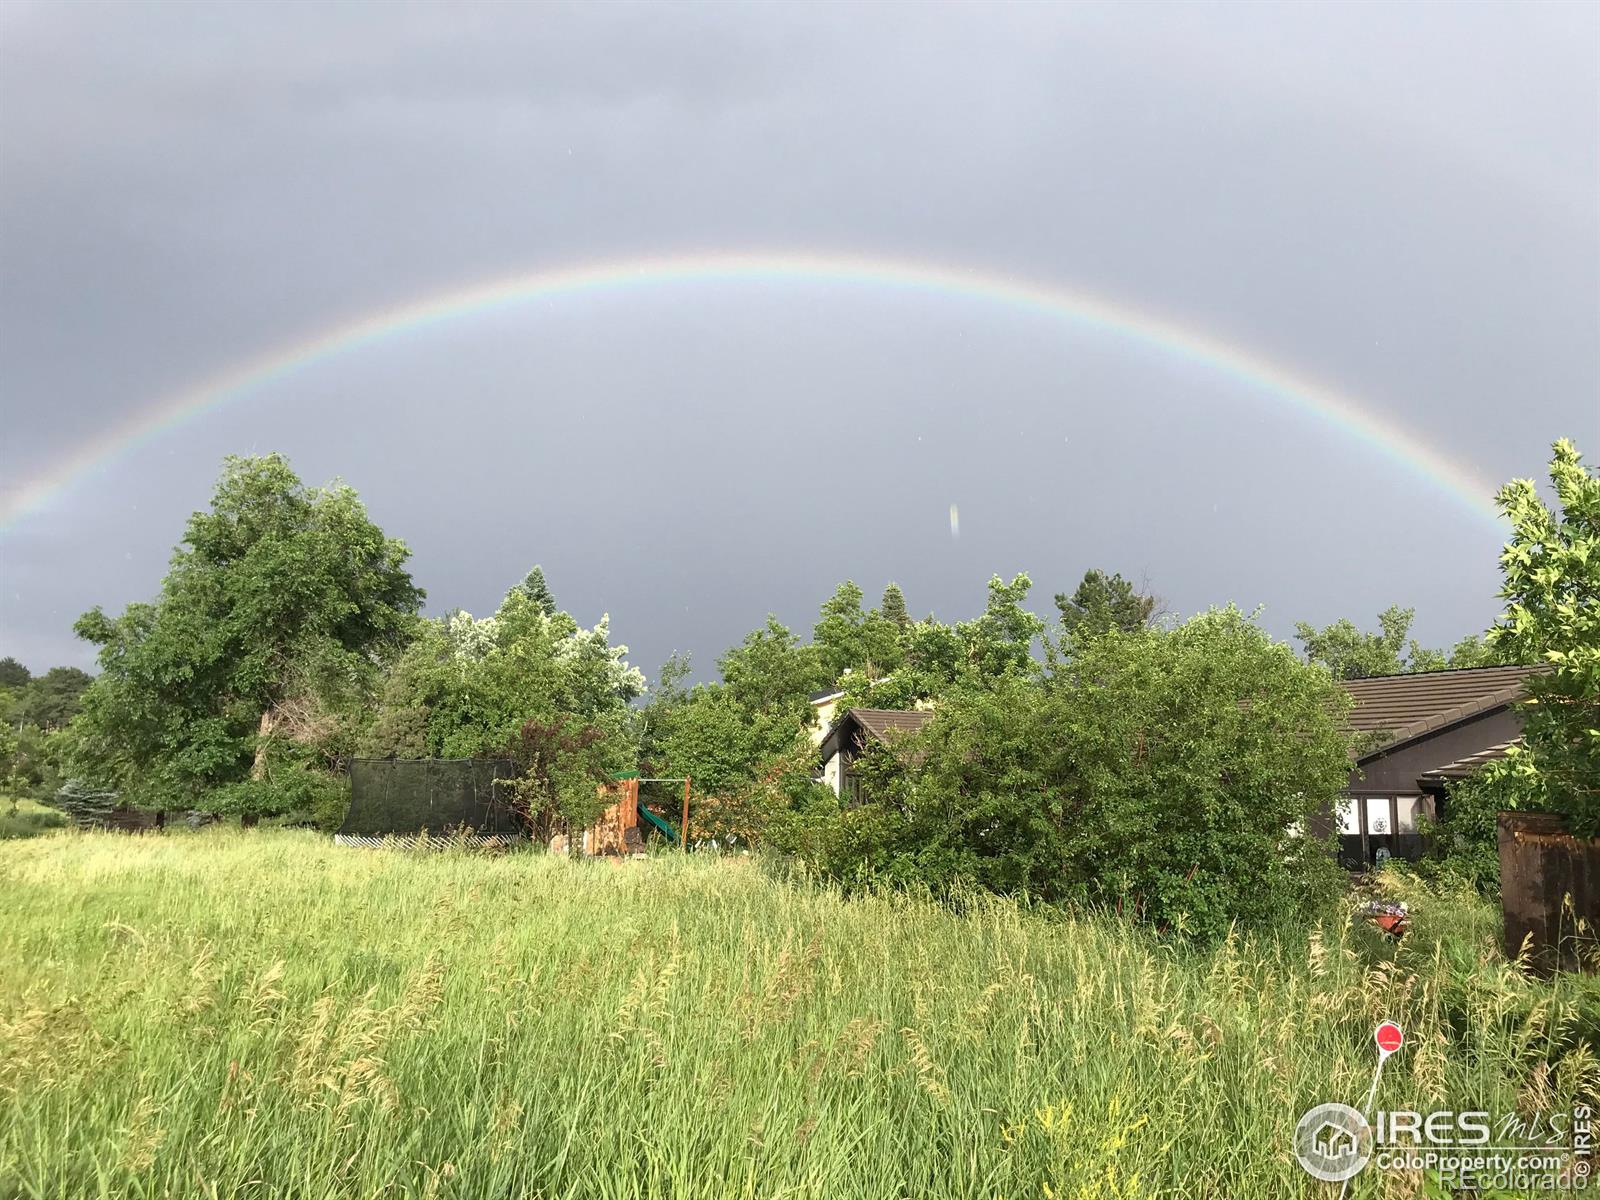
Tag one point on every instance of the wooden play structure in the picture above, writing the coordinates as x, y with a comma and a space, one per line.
622, 827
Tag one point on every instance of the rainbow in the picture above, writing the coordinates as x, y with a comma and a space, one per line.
1134, 326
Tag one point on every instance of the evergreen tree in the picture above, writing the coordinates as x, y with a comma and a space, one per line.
893, 606
1103, 602
537, 590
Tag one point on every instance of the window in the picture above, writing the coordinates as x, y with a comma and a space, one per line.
1349, 822
850, 789
1405, 808
1377, 814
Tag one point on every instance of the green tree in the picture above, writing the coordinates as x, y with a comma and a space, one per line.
467, 688
1103, 602
563, 764
893, 607
740, 739
713, 739
1001, 641
847, 639
278, 611
13, 674
29, 755
1168, 772
839, 637
1351, 653
726, 736
1551, 584
771, 672
936, 657
51, 700
537, 590
1475, 651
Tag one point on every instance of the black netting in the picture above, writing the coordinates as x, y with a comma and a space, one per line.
408, 795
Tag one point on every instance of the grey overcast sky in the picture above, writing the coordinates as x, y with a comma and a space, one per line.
1399, 202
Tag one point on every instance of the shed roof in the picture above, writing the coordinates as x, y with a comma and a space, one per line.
1402, 708
1462, 767
885, 725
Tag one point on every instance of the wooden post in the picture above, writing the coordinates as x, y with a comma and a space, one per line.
1549, 880
684, 826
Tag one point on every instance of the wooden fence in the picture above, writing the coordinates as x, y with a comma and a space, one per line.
1549, 892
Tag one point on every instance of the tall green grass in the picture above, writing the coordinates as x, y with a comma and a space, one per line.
21, 818
264, 1014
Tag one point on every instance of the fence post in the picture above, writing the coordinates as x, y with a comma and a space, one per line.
1549, 881
684, 826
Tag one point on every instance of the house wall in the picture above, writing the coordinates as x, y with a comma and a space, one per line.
1397, 771
825, 711
833, 772
1379, 784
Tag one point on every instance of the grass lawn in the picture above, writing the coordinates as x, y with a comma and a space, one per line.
28, 818
227, 1013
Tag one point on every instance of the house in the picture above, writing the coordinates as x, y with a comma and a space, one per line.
824, 705
1334, 1142
1422, 732
1419, 733
843, 740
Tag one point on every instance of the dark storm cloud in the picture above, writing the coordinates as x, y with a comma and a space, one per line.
1401, 202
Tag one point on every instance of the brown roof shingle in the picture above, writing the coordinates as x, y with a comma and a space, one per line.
1403, 707
887, 723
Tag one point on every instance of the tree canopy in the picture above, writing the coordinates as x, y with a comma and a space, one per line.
34, 711
1171, 772
1353, 653
1171, 769
1551, 573
280, 605
465, 687
1103, 602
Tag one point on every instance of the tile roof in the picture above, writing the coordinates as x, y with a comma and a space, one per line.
1403, 707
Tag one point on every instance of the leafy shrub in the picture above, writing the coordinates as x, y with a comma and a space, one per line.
1168, 773
1464, 844
293, 792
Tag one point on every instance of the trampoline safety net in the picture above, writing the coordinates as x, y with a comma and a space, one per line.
404, 797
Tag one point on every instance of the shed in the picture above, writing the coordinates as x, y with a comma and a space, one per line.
850, 735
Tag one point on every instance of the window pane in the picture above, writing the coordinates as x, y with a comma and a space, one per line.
1406, 810
1378, 814
1349, 822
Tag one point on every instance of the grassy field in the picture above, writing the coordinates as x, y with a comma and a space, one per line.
264, 1014
27, 818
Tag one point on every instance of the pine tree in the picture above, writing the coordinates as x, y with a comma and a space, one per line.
537, 590
1104, 602
893, 606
